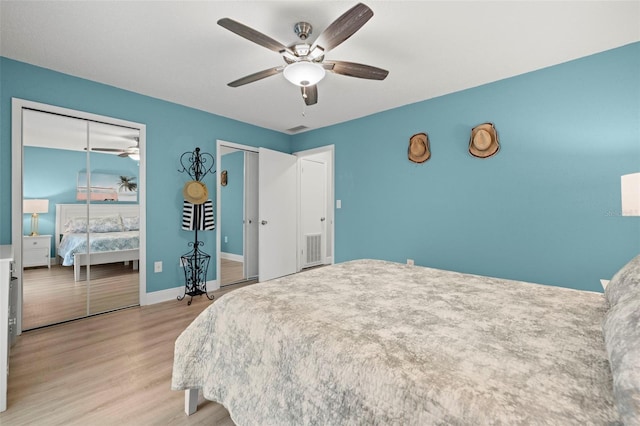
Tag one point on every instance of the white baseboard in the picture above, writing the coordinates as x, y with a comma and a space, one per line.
213, 285
231, 256
173, 293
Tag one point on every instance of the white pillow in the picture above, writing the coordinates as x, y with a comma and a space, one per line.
131, 223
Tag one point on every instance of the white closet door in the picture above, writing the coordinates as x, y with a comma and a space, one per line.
313, 211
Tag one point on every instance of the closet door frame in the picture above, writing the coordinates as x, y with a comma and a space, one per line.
17, 106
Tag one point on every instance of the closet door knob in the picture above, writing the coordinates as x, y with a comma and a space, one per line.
264, 222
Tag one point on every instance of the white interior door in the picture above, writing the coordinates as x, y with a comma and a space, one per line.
313, 210
251, 214
278, 215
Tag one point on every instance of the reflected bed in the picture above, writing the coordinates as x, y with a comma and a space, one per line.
113, 234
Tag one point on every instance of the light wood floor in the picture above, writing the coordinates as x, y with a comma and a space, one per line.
51, 295
111, 369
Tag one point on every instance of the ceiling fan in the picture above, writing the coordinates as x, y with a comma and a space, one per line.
132, 151
305, 63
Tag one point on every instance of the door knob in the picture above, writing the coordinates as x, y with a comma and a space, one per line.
322, 219
249, 221
264, 222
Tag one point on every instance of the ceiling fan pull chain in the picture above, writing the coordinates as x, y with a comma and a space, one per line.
304, 105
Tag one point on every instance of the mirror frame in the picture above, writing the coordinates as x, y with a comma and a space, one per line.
17, 105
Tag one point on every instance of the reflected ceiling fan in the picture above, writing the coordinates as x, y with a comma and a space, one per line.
132, 151
305, 63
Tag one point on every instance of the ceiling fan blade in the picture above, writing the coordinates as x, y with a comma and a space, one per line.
310, 94
352, 69
124, 154
256, 76
343, 27
105, 149
253, 35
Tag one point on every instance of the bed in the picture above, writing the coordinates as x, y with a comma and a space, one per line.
113, 235
376, 342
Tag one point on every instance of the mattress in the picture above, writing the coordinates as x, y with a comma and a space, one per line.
375, 342
72, 244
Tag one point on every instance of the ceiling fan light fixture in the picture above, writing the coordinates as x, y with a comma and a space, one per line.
135, 157
304, 73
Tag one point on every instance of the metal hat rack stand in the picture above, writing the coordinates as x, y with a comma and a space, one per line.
196, 262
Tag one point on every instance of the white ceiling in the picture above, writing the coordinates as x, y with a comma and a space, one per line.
174, 50
46, 130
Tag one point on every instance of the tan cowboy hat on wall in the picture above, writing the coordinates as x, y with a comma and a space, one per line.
195, 192
419, 150
484, 141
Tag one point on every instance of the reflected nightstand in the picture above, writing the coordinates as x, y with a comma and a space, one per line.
36, 250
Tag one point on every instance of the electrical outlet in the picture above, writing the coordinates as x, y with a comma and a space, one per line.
157, 266
226, 239
410, 262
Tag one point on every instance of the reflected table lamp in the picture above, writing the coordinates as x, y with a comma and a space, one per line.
630, 191
34, 207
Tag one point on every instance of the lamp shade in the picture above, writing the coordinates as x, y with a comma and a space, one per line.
304, 73
630, 191
35, 206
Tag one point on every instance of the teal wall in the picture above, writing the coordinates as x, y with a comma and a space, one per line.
545, 209
52, 174
232, 200
171, 130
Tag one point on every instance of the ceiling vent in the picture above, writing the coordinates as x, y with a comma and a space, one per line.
297, 129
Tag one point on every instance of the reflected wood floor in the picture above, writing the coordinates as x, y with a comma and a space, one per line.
51, 295
231, 271
111, 369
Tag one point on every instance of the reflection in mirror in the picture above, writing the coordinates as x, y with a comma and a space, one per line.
113, 227
239, 216
61, 278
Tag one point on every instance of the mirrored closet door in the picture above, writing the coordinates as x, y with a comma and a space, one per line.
238, 215
83, 258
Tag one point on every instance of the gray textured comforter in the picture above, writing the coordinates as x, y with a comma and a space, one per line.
374, 342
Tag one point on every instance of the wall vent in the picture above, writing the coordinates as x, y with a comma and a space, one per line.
314, 249
297, 129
